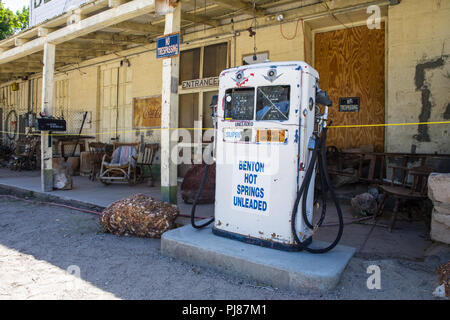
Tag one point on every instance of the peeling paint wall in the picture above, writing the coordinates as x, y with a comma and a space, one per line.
418, 76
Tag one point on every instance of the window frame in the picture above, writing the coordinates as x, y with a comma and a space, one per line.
290, 102
256, 101
254, 104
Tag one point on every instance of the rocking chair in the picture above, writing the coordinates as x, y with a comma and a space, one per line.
122, 165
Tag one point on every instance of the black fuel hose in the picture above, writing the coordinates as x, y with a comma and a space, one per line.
197, 196
319, 156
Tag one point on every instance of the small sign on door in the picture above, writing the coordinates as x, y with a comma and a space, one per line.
349, 104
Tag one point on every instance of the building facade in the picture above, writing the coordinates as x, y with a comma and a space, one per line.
392, 56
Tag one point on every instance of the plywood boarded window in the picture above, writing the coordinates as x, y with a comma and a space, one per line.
147, 112
190, 64
351, 63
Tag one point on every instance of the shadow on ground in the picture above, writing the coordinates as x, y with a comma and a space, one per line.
38, 243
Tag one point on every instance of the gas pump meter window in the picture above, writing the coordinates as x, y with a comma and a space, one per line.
239, 104
273, 103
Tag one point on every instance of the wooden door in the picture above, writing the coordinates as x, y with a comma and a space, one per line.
351, 63
112, 116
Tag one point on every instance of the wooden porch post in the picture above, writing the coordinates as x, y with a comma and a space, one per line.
47, 108
169, 117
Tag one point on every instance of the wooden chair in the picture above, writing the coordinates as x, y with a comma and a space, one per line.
122, 165
415, 191
146, 160
73, 144
96, 152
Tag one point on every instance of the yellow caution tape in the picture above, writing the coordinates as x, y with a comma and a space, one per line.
389, 124
204, 129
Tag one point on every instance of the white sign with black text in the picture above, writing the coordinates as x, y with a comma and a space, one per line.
43, 10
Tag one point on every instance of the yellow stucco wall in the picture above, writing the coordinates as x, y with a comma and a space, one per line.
270, 39
418, 64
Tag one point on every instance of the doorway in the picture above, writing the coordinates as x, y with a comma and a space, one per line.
351, 65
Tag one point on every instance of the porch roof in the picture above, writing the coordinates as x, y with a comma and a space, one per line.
101, 27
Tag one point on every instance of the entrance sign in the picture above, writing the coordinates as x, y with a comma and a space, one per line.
199, 83
168, 46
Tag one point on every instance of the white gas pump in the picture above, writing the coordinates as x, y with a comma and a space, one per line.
269, 144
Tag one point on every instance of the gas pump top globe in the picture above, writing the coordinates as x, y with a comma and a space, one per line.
263, 126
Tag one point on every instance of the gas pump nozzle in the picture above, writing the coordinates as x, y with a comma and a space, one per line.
318, 147
322, 98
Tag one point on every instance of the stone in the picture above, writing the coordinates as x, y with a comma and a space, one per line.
439, 187
374, 192
191, 184
442, 208
61, 177
444, 279
440, 227
364, 204
139, 215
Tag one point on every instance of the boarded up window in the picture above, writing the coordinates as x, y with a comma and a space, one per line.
190, 64
188, 110
147, 112
215, 60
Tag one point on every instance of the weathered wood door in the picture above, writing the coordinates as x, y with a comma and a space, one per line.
351, 63
116, 85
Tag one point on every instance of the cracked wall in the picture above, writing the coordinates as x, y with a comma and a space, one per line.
418, 76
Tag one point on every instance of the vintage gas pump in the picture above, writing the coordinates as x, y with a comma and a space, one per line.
270, 143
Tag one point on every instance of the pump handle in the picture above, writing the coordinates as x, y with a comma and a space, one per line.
322, 98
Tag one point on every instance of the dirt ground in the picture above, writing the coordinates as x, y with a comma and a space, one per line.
43, 248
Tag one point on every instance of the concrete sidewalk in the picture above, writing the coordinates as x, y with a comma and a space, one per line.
88, 193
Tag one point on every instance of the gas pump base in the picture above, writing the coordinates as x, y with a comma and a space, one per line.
260, 242
281, 269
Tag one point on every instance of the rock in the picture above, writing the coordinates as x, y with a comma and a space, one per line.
439, 187
439, 291
191, 184
374, 192
61, 177
442, 208
139, 215
365, 204
444, 278
440, 227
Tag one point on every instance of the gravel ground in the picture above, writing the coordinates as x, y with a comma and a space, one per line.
43, 248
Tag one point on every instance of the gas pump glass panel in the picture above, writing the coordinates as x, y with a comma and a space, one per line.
273, 103
239, 104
